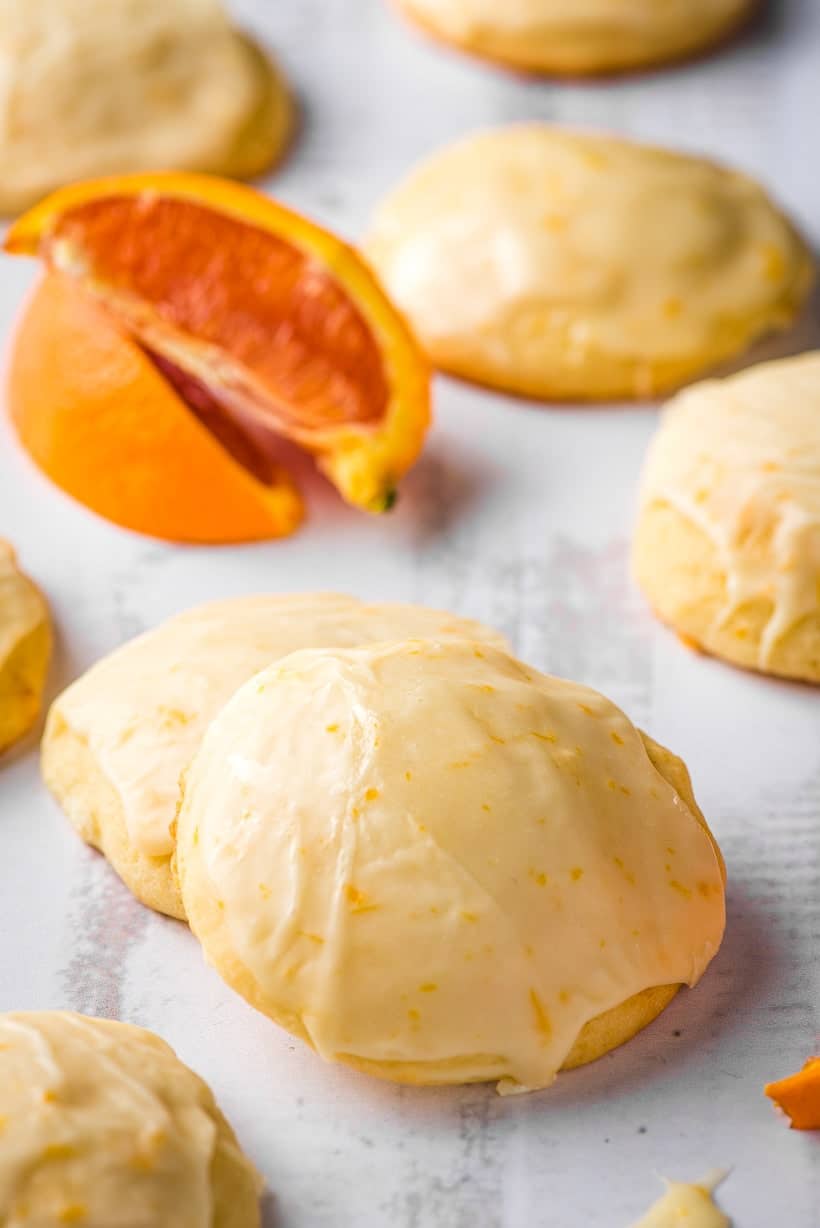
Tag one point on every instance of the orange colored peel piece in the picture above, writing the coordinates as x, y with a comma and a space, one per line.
277, 323
799, 1096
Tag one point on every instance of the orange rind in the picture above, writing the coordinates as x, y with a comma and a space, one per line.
798, 1096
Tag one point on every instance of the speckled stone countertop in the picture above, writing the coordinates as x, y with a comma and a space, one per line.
521, 516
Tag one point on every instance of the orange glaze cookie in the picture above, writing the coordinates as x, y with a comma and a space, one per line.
92, 88
580, 37
118, 740
25, 649
566, 265
101, 1125
727, 544
439, 866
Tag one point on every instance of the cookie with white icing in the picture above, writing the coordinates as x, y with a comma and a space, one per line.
25, 649
102, 1126
727, 544
439, 866
580, 37
119, 738
90, 88
562, 265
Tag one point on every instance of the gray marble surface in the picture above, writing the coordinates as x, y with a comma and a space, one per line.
521, 516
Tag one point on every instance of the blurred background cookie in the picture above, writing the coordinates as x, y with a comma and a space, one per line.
564, 265
25, 648
439, 866
727, 545
580, 37
102, 1125
119, 739
89, 87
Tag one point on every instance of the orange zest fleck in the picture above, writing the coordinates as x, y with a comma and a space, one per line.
542, 1020
358, 901
74, 1213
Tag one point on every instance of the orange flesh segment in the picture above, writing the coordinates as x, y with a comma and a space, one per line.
271, 328
799, 1096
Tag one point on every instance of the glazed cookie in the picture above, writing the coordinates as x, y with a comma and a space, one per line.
727, 545
90, 88
118, 740
25, 648
580, 37
439, 866
103, 1126
562, 265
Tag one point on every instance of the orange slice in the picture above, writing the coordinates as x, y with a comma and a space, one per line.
798, 1096
186, 323
97, 416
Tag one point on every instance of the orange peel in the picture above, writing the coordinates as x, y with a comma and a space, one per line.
209, 297
798, 1096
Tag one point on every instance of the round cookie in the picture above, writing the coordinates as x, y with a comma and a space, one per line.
25, 649
580, 37
118, 739
439, 866
90, 88
563, 265
727, 544
103, 1126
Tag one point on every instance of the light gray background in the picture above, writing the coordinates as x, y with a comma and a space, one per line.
519, 515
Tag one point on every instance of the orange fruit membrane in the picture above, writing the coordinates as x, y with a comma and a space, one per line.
185, 326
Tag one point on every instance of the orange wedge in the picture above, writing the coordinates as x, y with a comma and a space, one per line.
185, 326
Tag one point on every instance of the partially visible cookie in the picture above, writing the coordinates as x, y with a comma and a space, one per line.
563, 265
102, 1125
727, 544
25, 649
89, 88
580, 37
118, 740
437, 865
